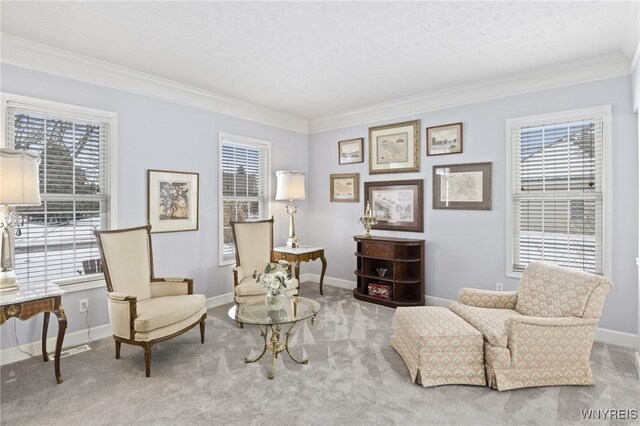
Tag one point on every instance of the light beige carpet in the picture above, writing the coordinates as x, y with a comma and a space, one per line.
353, 377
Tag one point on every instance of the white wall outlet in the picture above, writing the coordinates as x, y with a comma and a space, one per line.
84, 305
499, 287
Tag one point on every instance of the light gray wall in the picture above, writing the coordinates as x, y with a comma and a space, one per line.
468, 248
154, 134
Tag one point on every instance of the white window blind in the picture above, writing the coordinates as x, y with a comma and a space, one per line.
557, 192
244, 179
56, 240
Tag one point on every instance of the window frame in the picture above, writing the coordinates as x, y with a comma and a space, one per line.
607, 198
73, 112
242, 141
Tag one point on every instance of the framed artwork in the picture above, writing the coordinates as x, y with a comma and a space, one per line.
446, 139
462, 186
345, 187
397, 205
172, 201
395, 148
351, 151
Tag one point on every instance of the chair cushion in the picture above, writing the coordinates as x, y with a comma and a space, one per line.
249, 287
162, 311
552, 291
491, 322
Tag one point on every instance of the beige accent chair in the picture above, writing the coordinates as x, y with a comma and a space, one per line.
145, 310
254, 250
540, 335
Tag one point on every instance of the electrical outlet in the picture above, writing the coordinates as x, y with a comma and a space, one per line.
498, 286
84, 305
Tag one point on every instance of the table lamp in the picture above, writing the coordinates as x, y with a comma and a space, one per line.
19, 186
290, 187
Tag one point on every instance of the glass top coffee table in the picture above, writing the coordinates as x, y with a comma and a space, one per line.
294, 310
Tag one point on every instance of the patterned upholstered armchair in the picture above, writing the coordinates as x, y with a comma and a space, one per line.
542, 334
254, 248
145, 310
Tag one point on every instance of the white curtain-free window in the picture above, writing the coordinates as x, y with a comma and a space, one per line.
244, 186
558, 190
56, 241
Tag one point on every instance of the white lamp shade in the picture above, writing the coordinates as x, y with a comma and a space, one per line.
290, 185
19, 179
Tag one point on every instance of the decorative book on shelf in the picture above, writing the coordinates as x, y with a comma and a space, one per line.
390, 271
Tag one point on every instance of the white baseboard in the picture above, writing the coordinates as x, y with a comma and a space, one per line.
9, 355
603, 335
638, 364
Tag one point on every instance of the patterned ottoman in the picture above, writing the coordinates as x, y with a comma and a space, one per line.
438, 346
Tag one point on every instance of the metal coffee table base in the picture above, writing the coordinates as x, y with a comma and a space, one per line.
275, 346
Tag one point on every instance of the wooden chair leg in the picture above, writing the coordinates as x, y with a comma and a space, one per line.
118, 345
202, 329
147, 360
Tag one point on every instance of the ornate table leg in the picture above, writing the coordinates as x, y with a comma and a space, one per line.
324, 268
275, 348
45, 326
263, 334
286, 346
62, 327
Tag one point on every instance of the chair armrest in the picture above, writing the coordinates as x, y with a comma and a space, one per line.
487, 298
238, 275
171, 286
550, 342
122, 313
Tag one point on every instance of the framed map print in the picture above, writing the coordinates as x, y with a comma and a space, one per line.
172, 201
462, 186
351, 151
396, 205
395, 148
345, 187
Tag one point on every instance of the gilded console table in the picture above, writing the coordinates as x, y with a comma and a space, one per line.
32, 299
301, 254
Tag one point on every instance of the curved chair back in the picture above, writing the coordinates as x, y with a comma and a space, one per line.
127, 260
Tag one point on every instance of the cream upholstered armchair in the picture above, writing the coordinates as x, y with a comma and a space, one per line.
254, 250
540, 335
145, 310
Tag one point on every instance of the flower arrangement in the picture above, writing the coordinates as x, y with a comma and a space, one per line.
274, 280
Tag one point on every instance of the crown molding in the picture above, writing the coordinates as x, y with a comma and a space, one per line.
28, 54
574, 72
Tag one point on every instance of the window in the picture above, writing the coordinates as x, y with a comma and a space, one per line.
557, 190
56, 241
244, 176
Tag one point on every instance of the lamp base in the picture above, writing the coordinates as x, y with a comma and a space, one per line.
8, 281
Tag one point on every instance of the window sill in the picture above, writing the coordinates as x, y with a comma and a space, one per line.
82, 286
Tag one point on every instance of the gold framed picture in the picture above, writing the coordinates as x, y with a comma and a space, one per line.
172, 201
351, 151
345, 187
395, 148
462, 186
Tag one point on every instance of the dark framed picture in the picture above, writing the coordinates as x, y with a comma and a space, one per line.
462, 186
351, 151
172, 201
396, 205
445, 139
395, 148
345, 187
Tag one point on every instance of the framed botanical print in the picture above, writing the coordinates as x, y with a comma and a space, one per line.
445, 139
396, 205
395, 148
462, 186
351, 151
345, 187
172, 201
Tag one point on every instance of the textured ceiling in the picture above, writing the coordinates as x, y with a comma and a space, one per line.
313, 59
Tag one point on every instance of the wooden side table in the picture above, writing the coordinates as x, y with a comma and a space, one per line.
301, 254
32, 299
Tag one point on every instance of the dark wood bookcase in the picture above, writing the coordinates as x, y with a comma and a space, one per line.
404, 260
